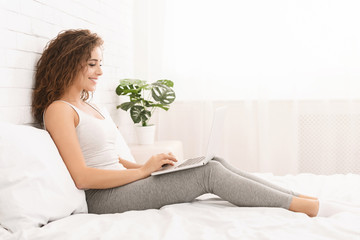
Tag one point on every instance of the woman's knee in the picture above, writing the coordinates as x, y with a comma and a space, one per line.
213, 172
219, 160
214, 167
214, 163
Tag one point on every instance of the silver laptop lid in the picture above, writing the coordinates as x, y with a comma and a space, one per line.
215, 133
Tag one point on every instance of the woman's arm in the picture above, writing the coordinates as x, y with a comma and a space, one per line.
128, 164
61, 121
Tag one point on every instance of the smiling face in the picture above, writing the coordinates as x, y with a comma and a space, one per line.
89, 75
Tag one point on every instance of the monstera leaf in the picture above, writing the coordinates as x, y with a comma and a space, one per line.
166, 82
162, 93
139, 114
131, 87
127, 105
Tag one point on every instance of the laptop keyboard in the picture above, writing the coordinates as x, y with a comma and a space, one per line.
191, 161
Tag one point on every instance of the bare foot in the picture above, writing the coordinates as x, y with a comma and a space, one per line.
304, 205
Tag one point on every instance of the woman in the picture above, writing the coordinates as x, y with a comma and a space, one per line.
85, 136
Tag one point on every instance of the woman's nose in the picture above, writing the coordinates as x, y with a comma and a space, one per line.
99, 71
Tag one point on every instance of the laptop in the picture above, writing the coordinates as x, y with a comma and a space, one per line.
213, 143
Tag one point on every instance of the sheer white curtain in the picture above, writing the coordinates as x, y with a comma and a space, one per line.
289, 70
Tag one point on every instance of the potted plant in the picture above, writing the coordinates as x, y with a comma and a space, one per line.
145, 98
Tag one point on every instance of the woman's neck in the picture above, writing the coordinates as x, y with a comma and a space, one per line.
73, 96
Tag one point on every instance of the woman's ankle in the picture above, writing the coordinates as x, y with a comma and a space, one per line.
307, 197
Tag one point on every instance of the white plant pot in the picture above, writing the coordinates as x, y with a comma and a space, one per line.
145, 135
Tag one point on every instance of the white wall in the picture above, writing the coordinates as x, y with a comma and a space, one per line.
27, 25
231, 50
149, 26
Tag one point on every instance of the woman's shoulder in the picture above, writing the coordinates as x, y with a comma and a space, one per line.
59, 111
59, 107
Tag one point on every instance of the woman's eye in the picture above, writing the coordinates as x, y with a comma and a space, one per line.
92, 65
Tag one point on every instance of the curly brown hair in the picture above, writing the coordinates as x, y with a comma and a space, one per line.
58, 66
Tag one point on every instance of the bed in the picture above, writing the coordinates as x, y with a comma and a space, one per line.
38, 200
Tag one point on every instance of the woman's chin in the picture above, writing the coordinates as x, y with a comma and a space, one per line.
91, 89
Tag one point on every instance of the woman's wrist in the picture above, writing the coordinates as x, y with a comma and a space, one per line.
144, 173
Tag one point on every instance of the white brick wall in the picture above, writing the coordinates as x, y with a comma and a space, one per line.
27, 25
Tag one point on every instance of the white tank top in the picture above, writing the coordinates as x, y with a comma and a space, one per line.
98, 139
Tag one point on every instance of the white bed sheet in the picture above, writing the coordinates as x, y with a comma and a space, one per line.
212, 218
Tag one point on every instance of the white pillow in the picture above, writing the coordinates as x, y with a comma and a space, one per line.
35, 186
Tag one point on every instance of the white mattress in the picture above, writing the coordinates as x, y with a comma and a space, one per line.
214, 218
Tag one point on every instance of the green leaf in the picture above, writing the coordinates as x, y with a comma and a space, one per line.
162, 93
166, 82
135, 113
165, 107
132, 81
127, 105
118, 90
129, 89
145, 116
148, 103
140, 114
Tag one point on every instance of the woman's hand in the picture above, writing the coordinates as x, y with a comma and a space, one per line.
157, 161
128, 164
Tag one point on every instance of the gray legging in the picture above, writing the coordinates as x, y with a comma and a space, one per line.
217, 177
